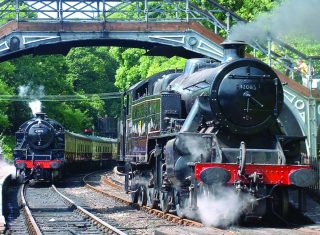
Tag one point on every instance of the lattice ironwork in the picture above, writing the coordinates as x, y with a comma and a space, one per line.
95, 10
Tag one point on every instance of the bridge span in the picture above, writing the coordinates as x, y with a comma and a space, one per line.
169, 27
186, 39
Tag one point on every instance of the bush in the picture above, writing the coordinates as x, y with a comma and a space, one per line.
8, 143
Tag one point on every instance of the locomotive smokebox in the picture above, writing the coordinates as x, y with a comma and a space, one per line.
233, 50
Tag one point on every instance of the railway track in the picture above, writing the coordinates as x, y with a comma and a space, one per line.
115, 191
129, 218
48, 211
259, 228
159, 213
54, 212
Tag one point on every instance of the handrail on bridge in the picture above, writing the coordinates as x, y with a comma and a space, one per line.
274, 51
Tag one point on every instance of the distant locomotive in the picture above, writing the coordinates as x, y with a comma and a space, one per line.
213, 124
44, 149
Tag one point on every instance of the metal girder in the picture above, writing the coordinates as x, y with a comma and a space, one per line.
18, 42
108, 10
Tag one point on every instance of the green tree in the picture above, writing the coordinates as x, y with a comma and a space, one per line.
7, 71
134, 66
4, 107
38, 76
92, 70
70, 117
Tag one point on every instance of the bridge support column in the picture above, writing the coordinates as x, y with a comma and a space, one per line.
17, 10
187, 10
312, 128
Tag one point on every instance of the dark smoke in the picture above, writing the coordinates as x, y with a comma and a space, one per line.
293, 18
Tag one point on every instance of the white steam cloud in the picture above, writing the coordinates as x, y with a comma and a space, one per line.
222, 208
35, 104
292, 18
195, 147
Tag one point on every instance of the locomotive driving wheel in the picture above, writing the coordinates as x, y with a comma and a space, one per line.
142, 195
134, 190
166, 198
151, 198
181, 203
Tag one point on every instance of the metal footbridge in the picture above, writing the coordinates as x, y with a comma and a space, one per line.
167, 27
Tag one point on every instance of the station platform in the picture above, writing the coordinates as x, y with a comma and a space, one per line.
6, 172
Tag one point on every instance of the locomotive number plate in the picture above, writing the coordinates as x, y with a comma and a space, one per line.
248, 86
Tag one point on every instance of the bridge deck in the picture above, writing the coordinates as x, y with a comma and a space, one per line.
105, 26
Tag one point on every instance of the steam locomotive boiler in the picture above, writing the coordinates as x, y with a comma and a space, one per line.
186, 134
45, 150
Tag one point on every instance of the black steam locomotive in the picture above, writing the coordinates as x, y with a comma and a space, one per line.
186, 134
44, 149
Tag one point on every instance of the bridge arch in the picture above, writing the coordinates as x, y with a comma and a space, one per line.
182, 39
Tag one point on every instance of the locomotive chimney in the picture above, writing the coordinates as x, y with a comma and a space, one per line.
233, 50
41, 115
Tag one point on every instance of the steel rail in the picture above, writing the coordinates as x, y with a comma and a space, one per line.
30, 221
102, 224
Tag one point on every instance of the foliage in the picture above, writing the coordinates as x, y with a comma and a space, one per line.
37, 76
4, 105
8, 11
71, 117
309, 48
7, 144
46, 71
134, 66
92, 70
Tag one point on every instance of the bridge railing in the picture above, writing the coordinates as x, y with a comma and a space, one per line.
95, 10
